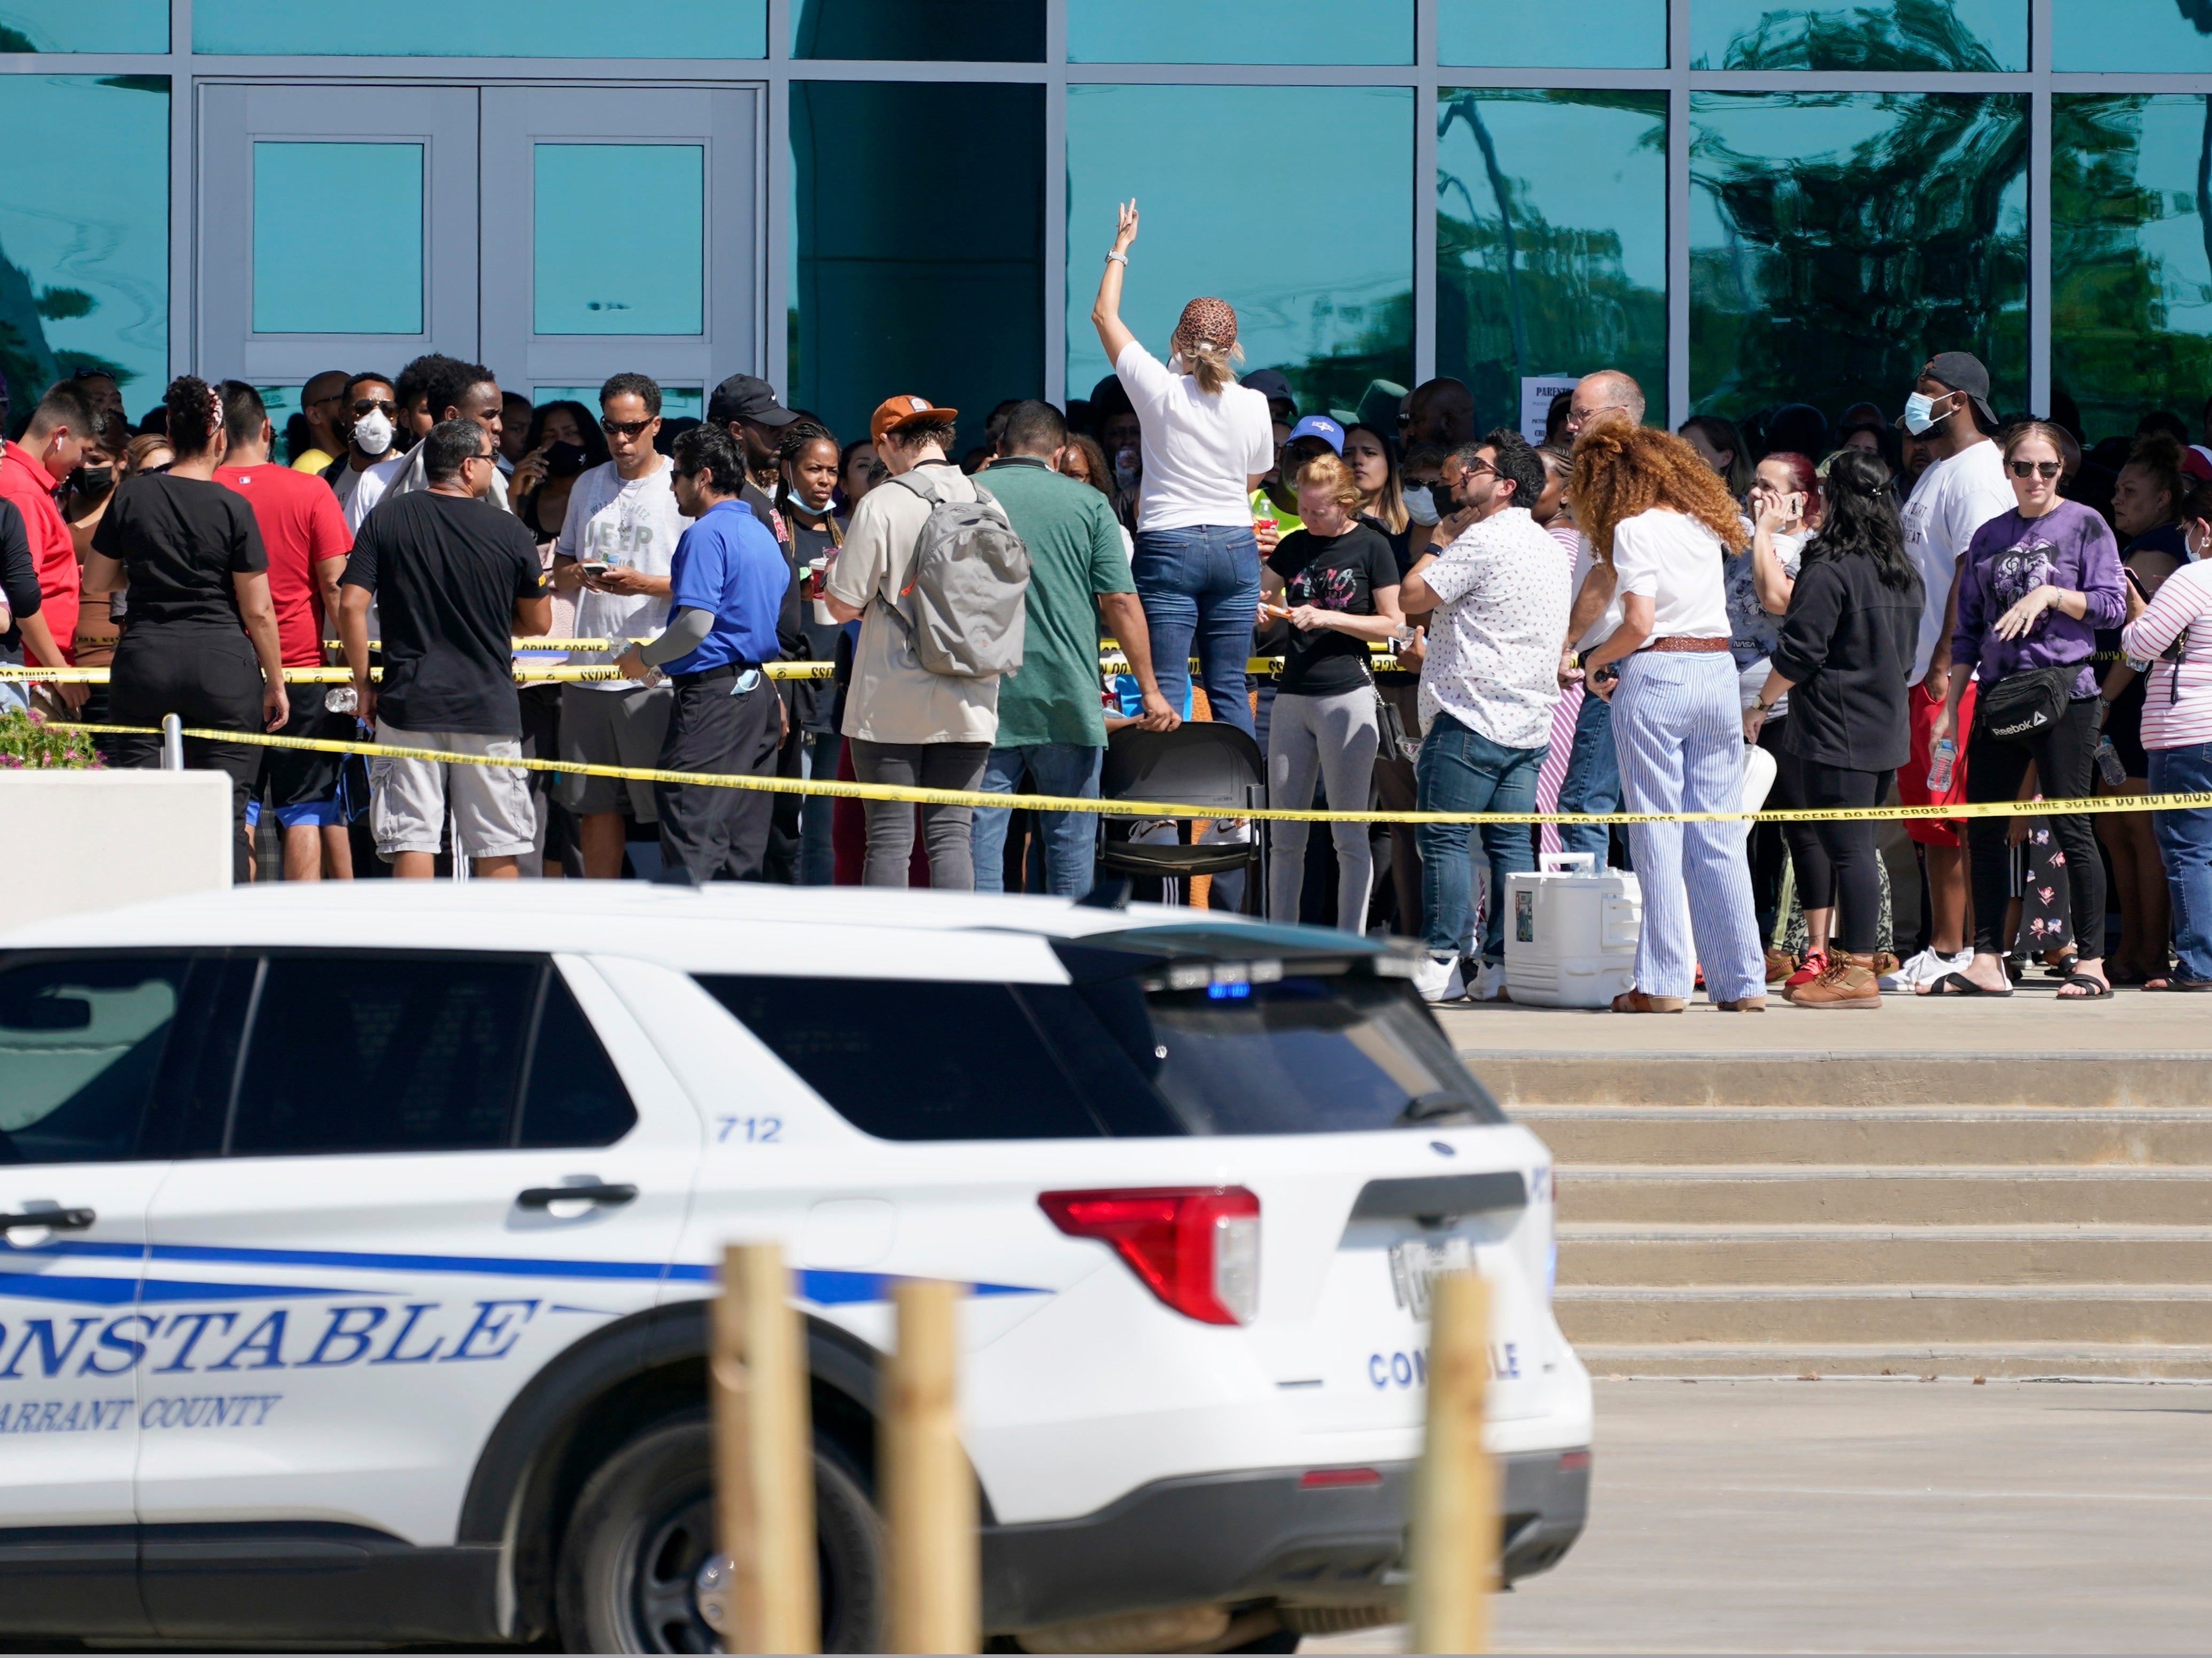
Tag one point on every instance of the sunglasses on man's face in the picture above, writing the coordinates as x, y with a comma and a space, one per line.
366, 404
2028, 469
623, 429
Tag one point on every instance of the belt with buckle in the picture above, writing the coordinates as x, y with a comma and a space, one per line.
1684, 643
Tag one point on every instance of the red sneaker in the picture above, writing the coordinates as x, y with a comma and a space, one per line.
1816, 963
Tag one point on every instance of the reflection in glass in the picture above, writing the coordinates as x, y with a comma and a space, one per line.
677, 402
1594, 34
84, 246
891, 290
1837, 239
2148, 36
1313, 245
1985, 35
648, 280
1550, 239
486, 28
2130, 257
1240, 31
885, 31
313, 201
84, 25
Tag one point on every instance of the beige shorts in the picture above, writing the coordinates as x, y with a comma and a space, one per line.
409, 799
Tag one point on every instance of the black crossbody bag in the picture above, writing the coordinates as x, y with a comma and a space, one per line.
2019, 705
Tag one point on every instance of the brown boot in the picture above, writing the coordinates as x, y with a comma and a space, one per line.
1849, 981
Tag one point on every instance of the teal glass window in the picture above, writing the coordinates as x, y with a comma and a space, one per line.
1312, 243
2130, 273
84, 248
2161, 37
1550, 239
1240, 31
889, 31
1591, 34
677, 402
485, 28
922, 290
1838, 240
313, 202
647, 280
1983, 35
84, 26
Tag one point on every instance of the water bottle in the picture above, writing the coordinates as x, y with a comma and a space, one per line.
2109, 769
1942, 759
341, 699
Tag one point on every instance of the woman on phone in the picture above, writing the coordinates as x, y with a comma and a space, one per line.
806, 497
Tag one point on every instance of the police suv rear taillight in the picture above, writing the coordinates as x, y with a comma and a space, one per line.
1196, 1248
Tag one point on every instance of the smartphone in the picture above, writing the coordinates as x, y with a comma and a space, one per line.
593, 566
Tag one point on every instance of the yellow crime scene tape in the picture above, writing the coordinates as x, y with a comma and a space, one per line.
524, 673
837, 788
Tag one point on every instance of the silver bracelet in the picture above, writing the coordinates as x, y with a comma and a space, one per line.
1119, 259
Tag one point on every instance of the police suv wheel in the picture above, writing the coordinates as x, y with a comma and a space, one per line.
644, 1525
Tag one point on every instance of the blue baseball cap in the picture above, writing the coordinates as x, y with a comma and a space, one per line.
1322, 427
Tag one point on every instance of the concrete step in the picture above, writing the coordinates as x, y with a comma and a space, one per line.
1893, 1134
1847, 1080
1770, 1195
2048, 1360
1602, 1256
1802, 1317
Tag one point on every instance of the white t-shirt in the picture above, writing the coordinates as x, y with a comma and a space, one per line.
1674, 562
1493, 661
1954, 497
1198, 448
632, 522
1608, 624
370, 487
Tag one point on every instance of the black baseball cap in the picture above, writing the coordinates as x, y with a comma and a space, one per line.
747, 397
1963, 372
1270, 384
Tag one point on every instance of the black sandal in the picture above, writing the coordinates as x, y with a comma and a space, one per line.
1958, 984
2097, 989
2062, 968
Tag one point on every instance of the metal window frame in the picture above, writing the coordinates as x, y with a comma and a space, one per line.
1424, 75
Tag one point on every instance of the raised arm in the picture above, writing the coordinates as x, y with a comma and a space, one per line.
1106, 310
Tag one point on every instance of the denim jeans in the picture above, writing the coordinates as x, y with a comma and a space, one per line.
1593, 781
2185, 842
1069, 838
1202, 584
1462, 770
817, 755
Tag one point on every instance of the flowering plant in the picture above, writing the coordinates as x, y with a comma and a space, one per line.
29, 744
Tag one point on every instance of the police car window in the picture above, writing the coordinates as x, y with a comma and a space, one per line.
404, 1052
574, 1095
81, 1043
915, 1059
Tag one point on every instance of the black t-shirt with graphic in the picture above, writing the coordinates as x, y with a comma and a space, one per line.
1331, 573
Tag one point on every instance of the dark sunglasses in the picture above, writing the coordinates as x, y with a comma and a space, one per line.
390, 409
628, 428
2025, 468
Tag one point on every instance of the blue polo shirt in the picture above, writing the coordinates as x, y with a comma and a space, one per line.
728, 563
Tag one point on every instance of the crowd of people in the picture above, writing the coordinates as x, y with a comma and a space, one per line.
1950, 607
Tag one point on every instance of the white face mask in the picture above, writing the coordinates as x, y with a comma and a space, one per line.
1920, 413
372, 433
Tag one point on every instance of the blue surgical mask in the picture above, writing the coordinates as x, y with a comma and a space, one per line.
1420, 505
1919, 413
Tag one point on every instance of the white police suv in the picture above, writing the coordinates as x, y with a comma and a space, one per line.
357, 1238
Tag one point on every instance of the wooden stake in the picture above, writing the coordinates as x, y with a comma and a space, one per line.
1455, 1492
763, 1456
929, 1493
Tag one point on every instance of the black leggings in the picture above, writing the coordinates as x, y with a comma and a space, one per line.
1837, 865
2065, 760
209, 677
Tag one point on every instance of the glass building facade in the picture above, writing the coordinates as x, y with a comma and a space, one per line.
1744, 203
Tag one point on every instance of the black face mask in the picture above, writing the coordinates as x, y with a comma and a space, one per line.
565, 461
93, 482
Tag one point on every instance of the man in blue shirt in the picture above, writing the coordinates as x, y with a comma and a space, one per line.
726, 582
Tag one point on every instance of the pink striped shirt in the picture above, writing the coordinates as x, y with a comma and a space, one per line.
2177, 716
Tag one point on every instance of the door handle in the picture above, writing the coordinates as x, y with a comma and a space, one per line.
55, 1220
540, 1197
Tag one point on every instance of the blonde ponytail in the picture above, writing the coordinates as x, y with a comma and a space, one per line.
1209, 365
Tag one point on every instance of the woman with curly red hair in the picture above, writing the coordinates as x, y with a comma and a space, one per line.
1660, 516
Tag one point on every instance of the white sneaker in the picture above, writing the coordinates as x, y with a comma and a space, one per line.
1439, 981
1926, 969
1489, 983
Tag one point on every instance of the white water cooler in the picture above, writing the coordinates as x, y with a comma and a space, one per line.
1570, 933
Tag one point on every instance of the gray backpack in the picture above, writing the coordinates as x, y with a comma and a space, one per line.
966, 597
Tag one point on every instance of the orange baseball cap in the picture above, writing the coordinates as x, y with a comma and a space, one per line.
892, 413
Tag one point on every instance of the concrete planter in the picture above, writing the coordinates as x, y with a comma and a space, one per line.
92, 840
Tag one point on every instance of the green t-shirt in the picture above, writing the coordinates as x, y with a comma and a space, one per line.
1075, 554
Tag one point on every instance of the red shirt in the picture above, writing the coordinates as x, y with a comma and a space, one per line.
301, 526
53, 554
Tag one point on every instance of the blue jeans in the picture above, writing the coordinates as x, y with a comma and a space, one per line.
818, 757
1201, 583
2184, 842
1462, 770
1593, 779
1071, 838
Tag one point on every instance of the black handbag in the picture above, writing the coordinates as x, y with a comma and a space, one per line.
2019, 705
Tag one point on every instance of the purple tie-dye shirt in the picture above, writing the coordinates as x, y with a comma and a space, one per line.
2069, 547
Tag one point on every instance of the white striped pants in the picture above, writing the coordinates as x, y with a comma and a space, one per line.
1679, 732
